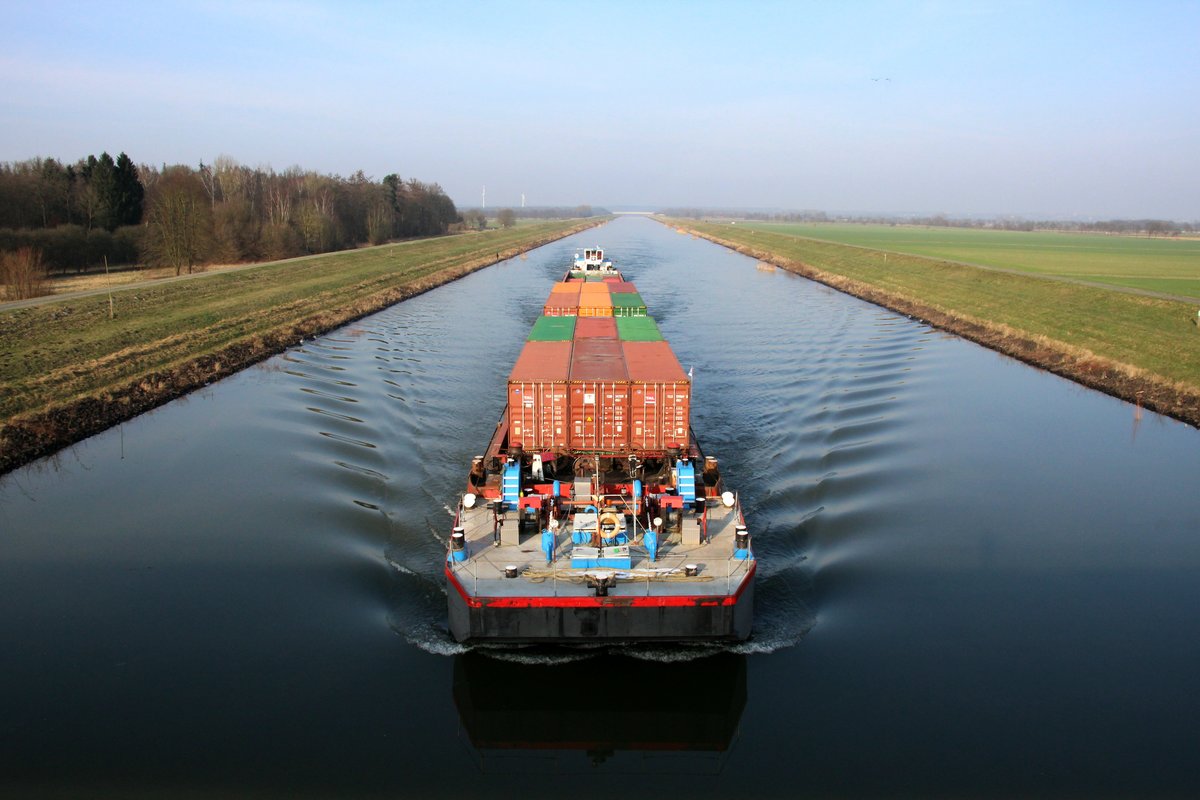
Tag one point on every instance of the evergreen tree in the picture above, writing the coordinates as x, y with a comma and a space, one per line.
128, 193
100, 175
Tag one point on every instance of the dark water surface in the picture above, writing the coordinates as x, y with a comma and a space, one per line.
976, 579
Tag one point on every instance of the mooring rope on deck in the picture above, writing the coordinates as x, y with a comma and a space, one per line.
538, 575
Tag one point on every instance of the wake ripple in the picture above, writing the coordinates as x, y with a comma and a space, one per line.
803, 401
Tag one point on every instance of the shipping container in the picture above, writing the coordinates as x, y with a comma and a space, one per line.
552, 329
659, 396
595, 301
565, 287
538, 397
588, 308
599, 396
599, 305
621, 287
628, 305
638, 329
561, 305
594, 327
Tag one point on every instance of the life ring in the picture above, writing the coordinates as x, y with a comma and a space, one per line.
611, 521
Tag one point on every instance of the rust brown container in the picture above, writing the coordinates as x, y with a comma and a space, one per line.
596, 328
599, 396
659, 398
538, 396
562, 304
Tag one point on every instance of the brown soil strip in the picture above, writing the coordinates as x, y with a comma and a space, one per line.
32, 436
1177, 400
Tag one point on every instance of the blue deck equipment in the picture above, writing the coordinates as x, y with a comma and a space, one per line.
685, 481
510, 485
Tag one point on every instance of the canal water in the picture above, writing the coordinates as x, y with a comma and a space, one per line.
975, 578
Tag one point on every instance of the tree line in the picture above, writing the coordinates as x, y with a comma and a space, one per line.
1146, 227
477, 218
74, 216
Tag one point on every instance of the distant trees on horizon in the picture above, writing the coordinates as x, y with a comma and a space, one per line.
1149, 227
75, 216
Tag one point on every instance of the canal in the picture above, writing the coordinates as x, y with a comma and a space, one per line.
975, 578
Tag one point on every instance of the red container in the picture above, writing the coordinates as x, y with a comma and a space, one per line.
622, 287
659, 397
598, 360
596, 327
538, 404
561, 304
599, 396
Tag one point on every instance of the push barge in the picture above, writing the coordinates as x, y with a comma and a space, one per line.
594, 515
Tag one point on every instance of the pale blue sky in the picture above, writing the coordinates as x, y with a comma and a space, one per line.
1085, 109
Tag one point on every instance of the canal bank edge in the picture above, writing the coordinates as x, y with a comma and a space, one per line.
1123, 381
28, 437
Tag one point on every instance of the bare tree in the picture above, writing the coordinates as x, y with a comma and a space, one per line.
23, 274
180, 220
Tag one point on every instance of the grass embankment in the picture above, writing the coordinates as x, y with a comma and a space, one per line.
1142, 349
1155, 264
67, 370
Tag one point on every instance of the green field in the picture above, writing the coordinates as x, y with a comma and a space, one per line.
70, 349
1168, 266
1154, 334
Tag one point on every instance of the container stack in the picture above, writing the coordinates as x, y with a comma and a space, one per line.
597, 376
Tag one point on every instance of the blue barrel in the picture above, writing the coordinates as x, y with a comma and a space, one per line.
458, 545
741, 543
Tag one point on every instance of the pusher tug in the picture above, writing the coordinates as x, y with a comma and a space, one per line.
594, 515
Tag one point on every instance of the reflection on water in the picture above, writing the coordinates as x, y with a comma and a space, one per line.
597, 706
973, 579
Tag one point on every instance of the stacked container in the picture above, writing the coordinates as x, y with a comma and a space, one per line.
599, 395
563, 300
628, 304
595, 300
638, 329
538, 409
595, 328
552, 329
660, 396
597, 376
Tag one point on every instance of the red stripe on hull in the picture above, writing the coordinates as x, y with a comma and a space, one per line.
602, 602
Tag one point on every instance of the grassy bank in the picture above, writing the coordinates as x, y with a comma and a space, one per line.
67, 370
1158, 264
1139, 348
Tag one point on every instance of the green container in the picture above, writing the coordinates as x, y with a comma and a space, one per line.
638, 329
629, 304
552, 329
